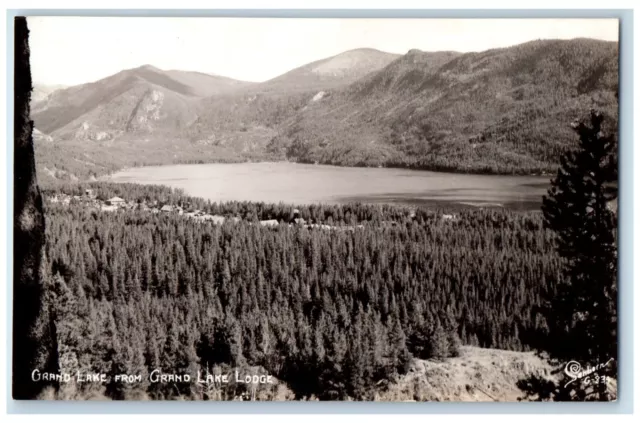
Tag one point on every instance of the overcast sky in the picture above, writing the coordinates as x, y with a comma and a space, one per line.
75, 50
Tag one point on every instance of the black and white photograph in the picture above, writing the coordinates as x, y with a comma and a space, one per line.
315, 209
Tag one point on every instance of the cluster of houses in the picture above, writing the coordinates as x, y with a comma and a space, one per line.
89, 199
115, 204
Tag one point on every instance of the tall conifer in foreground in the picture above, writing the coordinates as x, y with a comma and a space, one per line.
582, 315
34, 335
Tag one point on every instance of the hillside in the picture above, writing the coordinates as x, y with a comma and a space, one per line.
41, 91
111, 103
332, 72
477, 375
144, 99
246, 120
504, 110
147, 116
351, 324
500, 111
204, 85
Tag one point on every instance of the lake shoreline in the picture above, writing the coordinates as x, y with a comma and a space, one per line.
296, 183
106, 177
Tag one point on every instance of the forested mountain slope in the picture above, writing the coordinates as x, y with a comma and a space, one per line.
504, 110
500, 111
335, 314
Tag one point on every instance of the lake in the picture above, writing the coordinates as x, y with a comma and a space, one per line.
295, 183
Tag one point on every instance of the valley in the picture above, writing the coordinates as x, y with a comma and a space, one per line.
363, 227
502, 111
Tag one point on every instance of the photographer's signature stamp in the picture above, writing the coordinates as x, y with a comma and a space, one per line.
590, 375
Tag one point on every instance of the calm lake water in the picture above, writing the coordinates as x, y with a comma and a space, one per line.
305, 184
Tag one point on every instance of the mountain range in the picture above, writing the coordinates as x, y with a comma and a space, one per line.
504, 110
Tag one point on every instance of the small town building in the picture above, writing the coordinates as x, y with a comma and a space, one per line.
115, 201
270, 222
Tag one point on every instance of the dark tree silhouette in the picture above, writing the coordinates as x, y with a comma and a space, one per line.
34, 339
582, 314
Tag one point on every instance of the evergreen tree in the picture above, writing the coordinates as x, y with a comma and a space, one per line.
582, 314
34, 333
419, 341
438, 346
